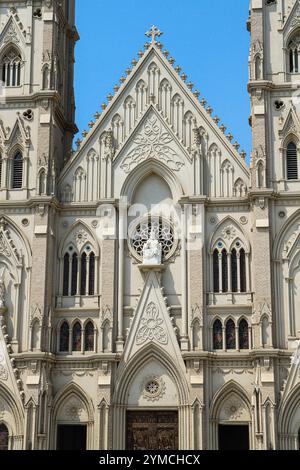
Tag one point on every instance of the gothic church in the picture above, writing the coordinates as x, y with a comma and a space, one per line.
149, 279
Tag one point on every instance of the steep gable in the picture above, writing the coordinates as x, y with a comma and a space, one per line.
153, 82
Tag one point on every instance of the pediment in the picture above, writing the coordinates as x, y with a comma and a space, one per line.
152, 324
7, 247
290, 123
19, 134
155, 80
11, 34
153, 139
293, 17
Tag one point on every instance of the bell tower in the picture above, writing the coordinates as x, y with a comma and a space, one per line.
274, 88
37, 105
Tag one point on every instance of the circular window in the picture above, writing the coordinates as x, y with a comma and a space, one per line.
152, 387
141, 234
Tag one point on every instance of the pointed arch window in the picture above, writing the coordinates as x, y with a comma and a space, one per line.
83, 274
92, 275
293, 55
292, 161
89, 337
78, 272
230, 268
217, 335
74, 274
230, 335
4, 437
243, 335
11, 69
76, 338
66, 270
234, 270
64, 337
224, 271
216, 271
243, 270
17, 171
42, 183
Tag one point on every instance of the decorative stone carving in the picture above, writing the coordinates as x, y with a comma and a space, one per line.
2, 410
234, 409
3, 246
229, 233
152, 250
36, 314
74, 410
197, 314
80, 237
296, 18
288, 245
152, 142
152, 327
3, 369
2, 294
153, 388
11, 34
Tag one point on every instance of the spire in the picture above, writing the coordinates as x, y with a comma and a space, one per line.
152, 33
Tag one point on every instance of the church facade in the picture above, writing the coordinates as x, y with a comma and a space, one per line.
150, 279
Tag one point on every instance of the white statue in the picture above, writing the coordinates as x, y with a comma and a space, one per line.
2, 294
152, 250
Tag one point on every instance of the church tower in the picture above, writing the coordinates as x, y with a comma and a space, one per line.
37, 99
37, 41
275, 171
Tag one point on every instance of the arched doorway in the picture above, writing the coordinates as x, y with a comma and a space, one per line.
151, 400
72, 420
231, 419
152, 410
4, 437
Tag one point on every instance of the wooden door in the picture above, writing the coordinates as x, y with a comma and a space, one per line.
154, 430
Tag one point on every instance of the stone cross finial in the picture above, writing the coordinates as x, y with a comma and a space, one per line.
153, 33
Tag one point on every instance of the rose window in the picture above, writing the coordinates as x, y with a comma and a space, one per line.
152, 387
164, 234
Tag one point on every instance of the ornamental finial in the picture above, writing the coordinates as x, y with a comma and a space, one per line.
153, 33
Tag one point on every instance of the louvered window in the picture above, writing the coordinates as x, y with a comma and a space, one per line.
17, 171
292, 162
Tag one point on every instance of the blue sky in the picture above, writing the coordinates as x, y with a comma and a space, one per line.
207, 38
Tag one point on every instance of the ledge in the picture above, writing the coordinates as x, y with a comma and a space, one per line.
146, 268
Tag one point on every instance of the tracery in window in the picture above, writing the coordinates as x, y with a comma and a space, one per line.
11, 68
230, 268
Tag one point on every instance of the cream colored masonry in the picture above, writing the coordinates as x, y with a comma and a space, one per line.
90, 335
